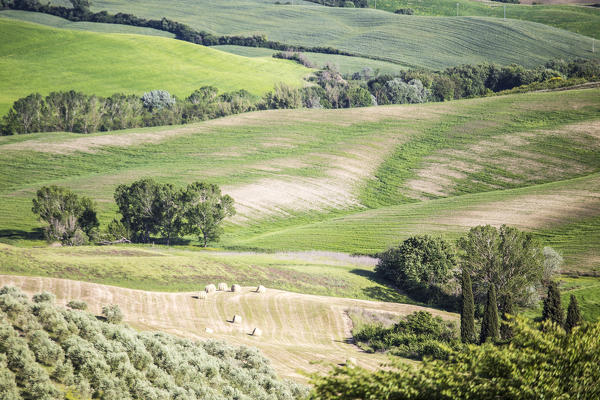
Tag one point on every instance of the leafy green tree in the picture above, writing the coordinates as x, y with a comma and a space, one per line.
489, 324
537, 364
573, 315
506, 257
25, 115
467, 311
139, 207
419, 261
205, 210
70, 218
170, 203
552, 306
508, 308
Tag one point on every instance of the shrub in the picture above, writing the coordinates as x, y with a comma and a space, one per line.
44, 297
420, 335
77, 305
419, 261
157, 100
405, 11
112, 313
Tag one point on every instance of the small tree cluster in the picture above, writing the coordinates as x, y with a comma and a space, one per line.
419, 261
149, 208
71, 219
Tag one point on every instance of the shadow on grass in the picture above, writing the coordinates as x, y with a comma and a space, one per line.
432, 297
17, 234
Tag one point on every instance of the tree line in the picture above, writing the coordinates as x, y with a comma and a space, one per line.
147, 208
78, 112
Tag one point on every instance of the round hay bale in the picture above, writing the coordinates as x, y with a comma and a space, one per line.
351, 362
256, 332
237, 319
236, 288
210, 288
261, 289
203, 295
209, 330
222, 287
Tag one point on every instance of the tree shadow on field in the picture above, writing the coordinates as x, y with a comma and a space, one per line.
384, 292
17, 234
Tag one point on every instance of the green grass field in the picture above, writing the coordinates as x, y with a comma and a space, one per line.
351, 181
36, 58
345, 64
431, 42
574, 18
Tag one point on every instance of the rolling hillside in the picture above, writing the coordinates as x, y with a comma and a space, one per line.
299, 175
407, 40
297, 329
36, 58
574, 18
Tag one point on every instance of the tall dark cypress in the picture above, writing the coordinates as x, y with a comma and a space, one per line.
573, 315
489, 326
507, 307
467, 311
552, 307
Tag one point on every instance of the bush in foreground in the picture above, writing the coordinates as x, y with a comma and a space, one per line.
539, 363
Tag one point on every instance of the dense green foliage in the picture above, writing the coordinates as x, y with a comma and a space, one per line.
70, 219
47, 351
490, 324
536, 364
418, 262
420, 335
148, 208
467, 310
573, 315
553, 310
507, 258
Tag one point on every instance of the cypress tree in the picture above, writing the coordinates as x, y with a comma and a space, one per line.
507, 308
552, 308
573, 315
489, 325
467, 311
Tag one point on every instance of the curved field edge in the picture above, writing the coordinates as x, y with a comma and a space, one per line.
298, 330
409, 40
37, 58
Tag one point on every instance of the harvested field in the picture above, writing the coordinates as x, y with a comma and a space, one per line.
297, 329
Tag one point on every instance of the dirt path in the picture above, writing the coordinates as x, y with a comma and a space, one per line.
298, 329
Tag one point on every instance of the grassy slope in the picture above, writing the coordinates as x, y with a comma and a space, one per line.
583, 20
345, 64
35, 58
420, 41
297, 329
57, 22
547, 137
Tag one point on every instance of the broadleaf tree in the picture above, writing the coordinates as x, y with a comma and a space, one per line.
205, 210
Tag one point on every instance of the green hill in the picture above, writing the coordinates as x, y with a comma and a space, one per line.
431, 42
574, 18
36, 58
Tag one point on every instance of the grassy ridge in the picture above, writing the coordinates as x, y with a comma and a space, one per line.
574, 18
35, 58
408, 40
345, 64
